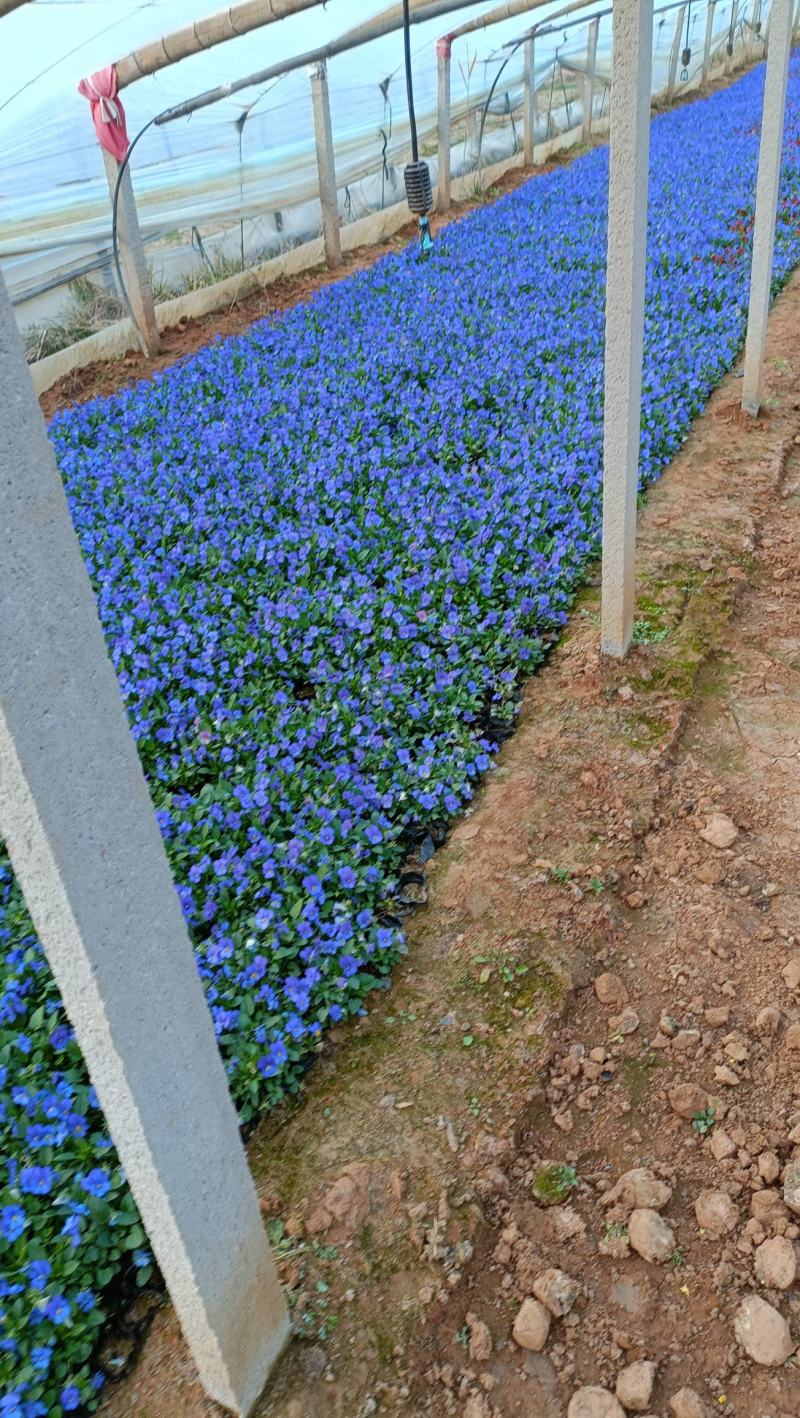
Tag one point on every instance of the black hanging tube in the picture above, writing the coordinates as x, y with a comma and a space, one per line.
412, 117
419, 192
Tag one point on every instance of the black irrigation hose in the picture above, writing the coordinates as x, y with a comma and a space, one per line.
412, 117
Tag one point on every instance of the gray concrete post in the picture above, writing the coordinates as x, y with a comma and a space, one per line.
755, 20
84, 843
675, 53
712, 5
631, 79
443, 123
529, 101
132, 257
588, 83
323, 137
769, 175
731, 37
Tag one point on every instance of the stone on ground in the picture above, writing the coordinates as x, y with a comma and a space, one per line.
557, 1291
716, 1213
650, 1235
687, 1403
686, 1099
610, 989
593, 1402
635, 1385
791, 1187
532, 1326
776, 1263
762, 1332
719, 831
638, 1188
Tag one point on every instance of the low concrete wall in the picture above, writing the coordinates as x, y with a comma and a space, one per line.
117, 340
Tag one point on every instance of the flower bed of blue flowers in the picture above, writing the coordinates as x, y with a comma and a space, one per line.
324, 552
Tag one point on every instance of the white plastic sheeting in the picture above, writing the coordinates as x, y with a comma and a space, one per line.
242, 174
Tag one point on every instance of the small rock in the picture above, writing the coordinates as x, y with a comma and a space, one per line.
625, 1023
791, 973
769, 1168
719, 831
791, 1186
650, 1235
776, 1263
532, 1326
717, 1017
688, 1404
610, 990
726, 1076
767, 1021
566, 1223
766, 1206
721, 1145
635, 1386
480, 1339
557, 1291
593, 1402
716, 1213
686, 1099
762, 1332
477, 1406
639, 1188
792, 1040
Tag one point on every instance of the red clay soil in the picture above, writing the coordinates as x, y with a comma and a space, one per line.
606, 977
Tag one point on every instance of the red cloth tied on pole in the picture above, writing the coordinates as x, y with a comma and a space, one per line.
108, 115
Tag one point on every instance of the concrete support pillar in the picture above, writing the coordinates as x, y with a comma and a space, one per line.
712, 5
731, 37
132, 258
588, 83
769, 173
754, 31
631, 78
529, 101
675, 52
443, 127
326, 169
80, 829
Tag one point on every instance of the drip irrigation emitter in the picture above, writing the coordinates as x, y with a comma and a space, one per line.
419, 193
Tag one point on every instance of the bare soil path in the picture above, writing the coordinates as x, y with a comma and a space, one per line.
643, 826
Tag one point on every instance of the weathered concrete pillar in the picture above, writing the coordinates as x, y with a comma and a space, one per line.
754, 30
675, 52
588, 83
769, 174
529, 101
323, 137
712, 5
731, 37
631, 79
443, 139
80, 829
132, 257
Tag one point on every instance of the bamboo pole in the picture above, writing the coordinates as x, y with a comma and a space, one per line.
6, 6
387, 22
252, 15
510, 10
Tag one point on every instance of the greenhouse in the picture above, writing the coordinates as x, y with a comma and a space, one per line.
399, 684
